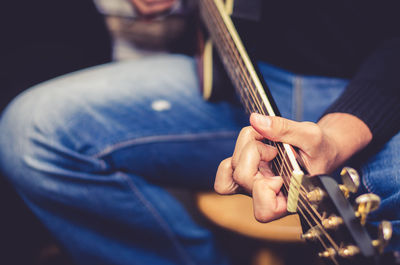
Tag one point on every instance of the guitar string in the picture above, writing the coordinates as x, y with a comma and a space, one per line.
249, 108
282, 168
285, 182
260, 108
303, 203
253, 107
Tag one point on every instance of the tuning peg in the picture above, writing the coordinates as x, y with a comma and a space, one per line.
384, 236
366, 203
312, 234
349, 251
350, 180
332, 222
328, 253
316, 195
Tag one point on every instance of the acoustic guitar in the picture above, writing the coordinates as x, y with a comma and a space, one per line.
335, 228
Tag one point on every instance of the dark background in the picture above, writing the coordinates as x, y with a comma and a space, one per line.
40, 40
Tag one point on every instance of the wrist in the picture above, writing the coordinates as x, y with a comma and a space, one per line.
347, 133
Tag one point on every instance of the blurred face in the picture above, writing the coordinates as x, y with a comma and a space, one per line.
152, 7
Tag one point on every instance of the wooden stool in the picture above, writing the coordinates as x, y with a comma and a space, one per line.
235, 213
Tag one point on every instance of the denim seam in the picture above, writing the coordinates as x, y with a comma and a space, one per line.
182, 253
162, 138
366, 182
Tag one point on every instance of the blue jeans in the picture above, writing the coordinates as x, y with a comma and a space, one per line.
91, 152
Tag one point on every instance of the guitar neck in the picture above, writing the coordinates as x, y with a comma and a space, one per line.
235, 58
244, 77
321, 205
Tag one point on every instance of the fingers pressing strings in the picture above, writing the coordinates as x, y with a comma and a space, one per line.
224, 183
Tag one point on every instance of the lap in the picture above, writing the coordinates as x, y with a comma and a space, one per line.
83, 149
148, 118
145, 116
381, 175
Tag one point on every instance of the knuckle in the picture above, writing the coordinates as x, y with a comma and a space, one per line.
224, 169
236, 176
225, 165
262, 216
246, 132
280, 127
259, 183
219, 188
225, 189
239, 177
234, 162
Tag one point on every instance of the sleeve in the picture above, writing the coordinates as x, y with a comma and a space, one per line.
373, 94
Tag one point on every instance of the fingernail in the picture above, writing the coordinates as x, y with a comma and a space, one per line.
262, 120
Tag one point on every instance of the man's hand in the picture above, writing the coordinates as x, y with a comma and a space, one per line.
323, 147
152, 7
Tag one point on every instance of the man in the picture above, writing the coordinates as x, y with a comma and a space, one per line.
90, 152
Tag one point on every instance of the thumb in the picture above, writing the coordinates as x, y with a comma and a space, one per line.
279, 129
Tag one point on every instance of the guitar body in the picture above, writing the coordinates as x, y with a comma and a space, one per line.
213, 81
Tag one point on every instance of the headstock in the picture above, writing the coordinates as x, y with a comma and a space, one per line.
334, 226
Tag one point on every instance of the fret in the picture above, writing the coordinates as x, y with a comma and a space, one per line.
246, 83
254, 99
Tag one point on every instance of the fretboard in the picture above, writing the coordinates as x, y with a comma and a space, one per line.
243, 76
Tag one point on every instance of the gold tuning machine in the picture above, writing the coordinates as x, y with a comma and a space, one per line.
312, 234
328, 253
384, 236
350, 180
348, 251
332, 222
316, 195
366, 203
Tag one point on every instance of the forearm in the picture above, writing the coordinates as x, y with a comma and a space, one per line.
373, 93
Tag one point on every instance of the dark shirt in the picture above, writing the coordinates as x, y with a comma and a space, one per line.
358, 40
39, 40
43, 39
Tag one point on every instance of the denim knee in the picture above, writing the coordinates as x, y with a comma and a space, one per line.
35, 142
